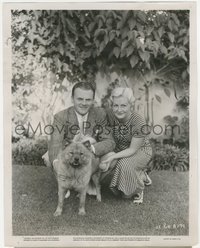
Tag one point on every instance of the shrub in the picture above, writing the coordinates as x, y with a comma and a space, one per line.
168, 157
29, 151
165, 157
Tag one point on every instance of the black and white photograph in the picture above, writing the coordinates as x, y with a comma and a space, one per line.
101, 115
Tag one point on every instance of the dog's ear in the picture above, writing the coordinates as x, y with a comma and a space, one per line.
87, 144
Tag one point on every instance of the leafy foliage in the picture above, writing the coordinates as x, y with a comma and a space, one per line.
51, 47
29, 151
183, 139
178, 138
168, 157
105, 101
78, 43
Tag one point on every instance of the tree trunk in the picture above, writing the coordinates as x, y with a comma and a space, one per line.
147, 102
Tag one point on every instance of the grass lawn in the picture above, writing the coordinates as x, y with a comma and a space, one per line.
164, 211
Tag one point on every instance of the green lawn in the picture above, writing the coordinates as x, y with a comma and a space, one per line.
35, 199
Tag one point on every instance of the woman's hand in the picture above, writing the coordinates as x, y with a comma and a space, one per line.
105, 164
108, 160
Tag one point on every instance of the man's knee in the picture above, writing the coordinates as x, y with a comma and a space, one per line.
46, 160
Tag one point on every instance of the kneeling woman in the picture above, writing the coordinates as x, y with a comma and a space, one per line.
133, 150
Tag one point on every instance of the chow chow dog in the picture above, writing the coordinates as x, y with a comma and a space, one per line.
74, 167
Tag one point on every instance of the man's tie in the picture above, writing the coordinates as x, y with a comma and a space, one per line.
81, 126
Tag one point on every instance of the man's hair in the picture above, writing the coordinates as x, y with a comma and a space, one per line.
83, 86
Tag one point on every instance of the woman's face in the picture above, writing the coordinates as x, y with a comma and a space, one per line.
121, 108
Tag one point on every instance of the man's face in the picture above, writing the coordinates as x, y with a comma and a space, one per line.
82, 100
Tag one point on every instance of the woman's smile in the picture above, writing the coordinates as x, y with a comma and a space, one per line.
121, 108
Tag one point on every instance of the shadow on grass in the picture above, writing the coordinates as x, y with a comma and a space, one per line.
164, 211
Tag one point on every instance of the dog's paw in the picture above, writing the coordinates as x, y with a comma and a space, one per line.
81, 211
57, 213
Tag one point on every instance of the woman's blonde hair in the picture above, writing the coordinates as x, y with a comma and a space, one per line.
125, 92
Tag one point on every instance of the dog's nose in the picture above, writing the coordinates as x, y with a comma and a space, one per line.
76, 159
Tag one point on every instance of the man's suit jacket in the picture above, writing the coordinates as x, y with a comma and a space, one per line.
66, 125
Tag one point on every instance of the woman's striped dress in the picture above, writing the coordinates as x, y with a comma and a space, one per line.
129, 172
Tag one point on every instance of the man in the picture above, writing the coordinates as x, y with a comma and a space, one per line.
82, 118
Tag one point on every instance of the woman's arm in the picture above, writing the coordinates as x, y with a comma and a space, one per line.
134, 146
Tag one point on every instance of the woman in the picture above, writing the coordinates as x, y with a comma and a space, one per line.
133, 150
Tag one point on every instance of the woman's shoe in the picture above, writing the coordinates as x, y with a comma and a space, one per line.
148, 180
139, 199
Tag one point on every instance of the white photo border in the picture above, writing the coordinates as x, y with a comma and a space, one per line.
50, 241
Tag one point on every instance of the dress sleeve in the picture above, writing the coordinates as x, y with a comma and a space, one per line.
139, 128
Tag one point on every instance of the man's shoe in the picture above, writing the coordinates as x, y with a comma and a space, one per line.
67, 195
45, 158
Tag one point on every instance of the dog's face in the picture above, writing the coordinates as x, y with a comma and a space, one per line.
77, 155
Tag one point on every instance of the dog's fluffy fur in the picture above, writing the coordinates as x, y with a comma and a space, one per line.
75, 166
